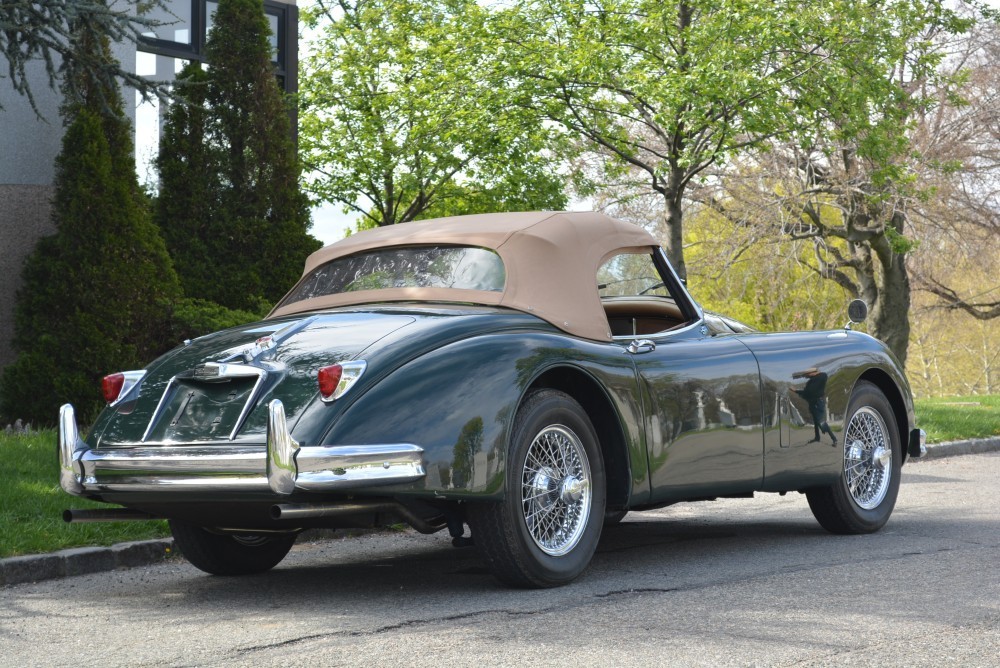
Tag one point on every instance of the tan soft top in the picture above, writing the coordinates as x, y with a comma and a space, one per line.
551, 260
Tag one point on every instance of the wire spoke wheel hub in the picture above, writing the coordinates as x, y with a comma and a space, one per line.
867, 458
555, 490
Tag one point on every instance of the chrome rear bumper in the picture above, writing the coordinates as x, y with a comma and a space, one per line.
280, 467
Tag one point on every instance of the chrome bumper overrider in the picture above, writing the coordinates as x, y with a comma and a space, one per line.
280, 467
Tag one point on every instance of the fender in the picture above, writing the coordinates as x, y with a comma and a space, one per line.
458, 403
793, 457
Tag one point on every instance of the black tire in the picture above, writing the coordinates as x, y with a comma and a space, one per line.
517, 556
614, 517
230, 554
870, 425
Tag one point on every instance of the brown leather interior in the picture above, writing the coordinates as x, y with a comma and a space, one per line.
641, 315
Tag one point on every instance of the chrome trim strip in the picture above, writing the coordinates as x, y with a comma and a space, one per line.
342, 467
175, 485
156, 412
279, 467
184, 460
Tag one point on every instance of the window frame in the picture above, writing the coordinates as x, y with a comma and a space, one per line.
689, 308
286, 66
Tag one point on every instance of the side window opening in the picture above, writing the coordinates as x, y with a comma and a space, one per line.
636, 299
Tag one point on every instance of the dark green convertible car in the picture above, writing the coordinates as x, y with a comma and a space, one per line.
531, 376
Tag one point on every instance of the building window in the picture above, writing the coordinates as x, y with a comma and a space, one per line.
181, 38
175, 22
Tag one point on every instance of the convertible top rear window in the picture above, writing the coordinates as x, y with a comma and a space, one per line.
458, 267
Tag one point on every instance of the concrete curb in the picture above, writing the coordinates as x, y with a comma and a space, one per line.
82, 560
972, 446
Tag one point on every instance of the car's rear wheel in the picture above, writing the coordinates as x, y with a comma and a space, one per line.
230, 553
614, 517
864, 496
545, 531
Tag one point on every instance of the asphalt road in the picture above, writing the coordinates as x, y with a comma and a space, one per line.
729, 583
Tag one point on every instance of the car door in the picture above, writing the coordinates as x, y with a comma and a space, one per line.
701, 388
701, 397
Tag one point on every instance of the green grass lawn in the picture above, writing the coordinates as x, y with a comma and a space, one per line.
31, 503
956, 418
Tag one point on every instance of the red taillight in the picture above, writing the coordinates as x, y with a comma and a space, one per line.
329, 379
112, 385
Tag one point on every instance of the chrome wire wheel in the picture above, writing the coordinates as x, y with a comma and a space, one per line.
556, 492
867, 458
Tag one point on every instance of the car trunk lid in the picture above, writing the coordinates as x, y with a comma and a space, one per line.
215, 388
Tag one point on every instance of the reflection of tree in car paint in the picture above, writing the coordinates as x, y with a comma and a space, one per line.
814, 393
470, 442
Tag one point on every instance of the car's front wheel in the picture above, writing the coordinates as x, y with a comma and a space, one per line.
545, 531
230, 553
864, 496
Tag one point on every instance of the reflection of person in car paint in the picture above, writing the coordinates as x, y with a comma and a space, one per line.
815, 395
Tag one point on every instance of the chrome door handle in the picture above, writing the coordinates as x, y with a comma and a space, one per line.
640, 346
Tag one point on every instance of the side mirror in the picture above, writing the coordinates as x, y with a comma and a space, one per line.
857, 311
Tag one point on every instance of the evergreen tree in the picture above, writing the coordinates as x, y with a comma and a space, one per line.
189, 184
97, 294
247, 219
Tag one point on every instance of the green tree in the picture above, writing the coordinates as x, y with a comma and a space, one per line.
96, 295
189, 184
230, 173
734, 272
663, 91
407, 111
851, 188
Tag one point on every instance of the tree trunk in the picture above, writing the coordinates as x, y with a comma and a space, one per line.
890, 317
673, 223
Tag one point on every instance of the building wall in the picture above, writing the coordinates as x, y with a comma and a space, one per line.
28, 148
25, 217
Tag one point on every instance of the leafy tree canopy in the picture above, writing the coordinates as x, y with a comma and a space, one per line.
665, 90
407, 108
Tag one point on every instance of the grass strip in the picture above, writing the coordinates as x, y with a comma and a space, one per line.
31, 503
959, 418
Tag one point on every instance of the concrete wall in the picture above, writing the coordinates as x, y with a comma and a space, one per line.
25, 216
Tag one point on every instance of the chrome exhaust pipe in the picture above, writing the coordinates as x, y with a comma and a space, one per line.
298, 511
106, 515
